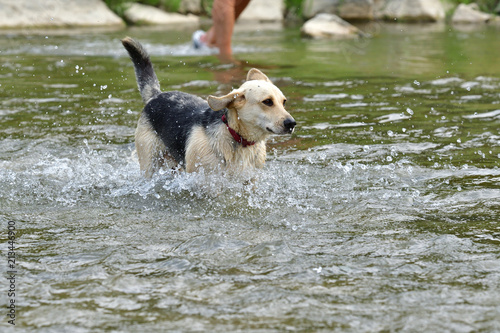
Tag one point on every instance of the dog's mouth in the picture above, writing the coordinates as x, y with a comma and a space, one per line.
284, 131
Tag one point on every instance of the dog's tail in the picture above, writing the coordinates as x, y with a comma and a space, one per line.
144, 72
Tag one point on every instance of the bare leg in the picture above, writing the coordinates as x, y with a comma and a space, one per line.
224, 15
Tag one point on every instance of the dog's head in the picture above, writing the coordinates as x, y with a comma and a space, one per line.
259, 106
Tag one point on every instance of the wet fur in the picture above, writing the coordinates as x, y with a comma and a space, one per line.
177, 128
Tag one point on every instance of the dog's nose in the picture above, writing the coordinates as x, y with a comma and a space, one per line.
289, 124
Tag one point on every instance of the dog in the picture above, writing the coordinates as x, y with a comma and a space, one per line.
223, 133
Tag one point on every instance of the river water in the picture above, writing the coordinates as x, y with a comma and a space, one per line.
380, 213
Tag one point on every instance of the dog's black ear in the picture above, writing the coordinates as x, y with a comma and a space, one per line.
219, 103
255, 74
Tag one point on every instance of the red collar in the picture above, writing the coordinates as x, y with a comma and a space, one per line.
236, 136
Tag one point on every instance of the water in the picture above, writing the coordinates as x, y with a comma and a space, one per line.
379, 214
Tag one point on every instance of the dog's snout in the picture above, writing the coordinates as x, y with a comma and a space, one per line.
289, 124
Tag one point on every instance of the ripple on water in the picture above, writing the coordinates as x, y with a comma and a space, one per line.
388, 228
316, 240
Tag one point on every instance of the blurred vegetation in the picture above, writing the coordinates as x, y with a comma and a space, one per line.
119, 6
294, 7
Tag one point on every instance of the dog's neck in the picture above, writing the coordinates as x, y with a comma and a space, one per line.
237, 137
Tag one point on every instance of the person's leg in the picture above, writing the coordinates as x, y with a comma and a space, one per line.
224, 15
209, 37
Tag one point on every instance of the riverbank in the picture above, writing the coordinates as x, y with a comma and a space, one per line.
73, 13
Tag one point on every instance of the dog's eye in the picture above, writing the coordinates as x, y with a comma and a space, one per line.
268, 102
284, 102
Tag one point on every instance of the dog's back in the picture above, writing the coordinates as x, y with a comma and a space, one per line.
174, 114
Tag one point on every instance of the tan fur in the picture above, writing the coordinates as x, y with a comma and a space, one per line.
214, 148
247, 115
219, 151
150, 148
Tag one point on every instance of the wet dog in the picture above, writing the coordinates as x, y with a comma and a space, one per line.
223, 133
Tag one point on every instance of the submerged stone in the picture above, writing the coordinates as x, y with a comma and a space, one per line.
469, 14
329, 26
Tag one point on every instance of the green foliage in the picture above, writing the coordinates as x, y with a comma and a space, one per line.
168, 5
207, 6
119, 6
294, 6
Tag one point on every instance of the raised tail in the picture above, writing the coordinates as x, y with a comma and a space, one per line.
144, 72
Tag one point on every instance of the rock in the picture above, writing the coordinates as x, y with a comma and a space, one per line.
469, 14
56, 13
310, 8
346, 9
149, 15
263, 11
413, 10
330, 26
378, 5
495, 20
191, 6
356, 10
